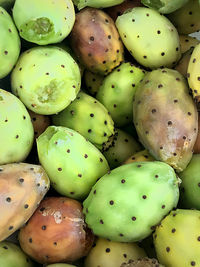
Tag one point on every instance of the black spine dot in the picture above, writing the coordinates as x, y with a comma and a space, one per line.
107, 250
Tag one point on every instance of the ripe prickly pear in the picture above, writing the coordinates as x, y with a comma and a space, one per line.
140, 156
16, 129
96, 3
22, 187
175, 236
46, 79
95, 41
56, 232
149, 37
117, 91
96, 124
72, 163
11, 255
145, 262
168, 133
40, 122
131, 200
182, 65
187, 42
9, 45
107, 253
48, 22
92, 81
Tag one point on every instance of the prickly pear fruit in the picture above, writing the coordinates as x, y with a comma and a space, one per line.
10, 43
145, 262
16, 129
168, 133
56, 232
123, 146
60, 265
40, 122
107, 253
72, 163
171, 247
22, 187
164, 6
186, 19
96, 124
187, 42
140, 156
95, 41
11, 255
96, 3
182, 65
48, 22
131, 200
92, 81
117, 91
197, 143
139, 25
46, 79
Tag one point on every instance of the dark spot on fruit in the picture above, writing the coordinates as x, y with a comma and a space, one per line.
169, 123
101, 160
138, 166
21, 180
189, 113
105, 122
89, 131
123, 181
101, 221
59, 169
194, 60
62, 66
167, 249
133, 218
161, 147
156, 176
175, 100
111, 202
144, 196
153, 110
26, 206
193, 263
5, 52
94, 192
91, 38
42, 209
158, 32
17, 136
44, 227
173, 230
163, 206
198, 184
55, 243
121, 235
145, 57
10, 227
79, 175
107, 250
160, 86
5, 247
109, 36
162, 54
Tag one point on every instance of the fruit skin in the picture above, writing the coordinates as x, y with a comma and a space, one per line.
48, 22
97, 4
187, 42
60, 265
95, 41
182, 65
145, 262
92, 81
107, 253
10, 43
117, 91
171, 247
166, 117
164, 6
135, 196
16, 129
196, 147
22, 187
123, 146
72, 163
149, 37
186, 19
96, 124
40, 123
46, 79
11, 255
140, 156
56, 232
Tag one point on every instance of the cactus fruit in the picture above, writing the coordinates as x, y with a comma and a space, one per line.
95, 41
131, 200
22, 187
40, 123
117, 91
46, 79
187, 42
11, 255
145, 262
48, 22
92, 81
140, 156
107, 253
16, 129
96, 124
175, 236
150, 37
182, 65
60, 265
196, 147
190, 186
9, 45
186, 19
166, 117
96, 3
164, 6
72, 163
56, 232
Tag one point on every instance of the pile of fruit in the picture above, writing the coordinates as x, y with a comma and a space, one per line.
100, 140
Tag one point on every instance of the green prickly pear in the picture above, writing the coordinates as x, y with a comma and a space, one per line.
92, 81
149, 37
48, 22
117, 91
22, 187
95, 41
145, 262
187, 42
131, 200
72, 163
16, 129
11, 255
107, 253
96, 124
10, 43
46, 79
140, 156
96, 3
168, 133
175, 236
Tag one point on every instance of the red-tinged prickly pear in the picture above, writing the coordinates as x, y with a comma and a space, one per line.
140, 156
145, 262
56, 232
182, 65
107, 253
165, 117
22, 187
196, 147
40, 122
187, 42
95, 41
